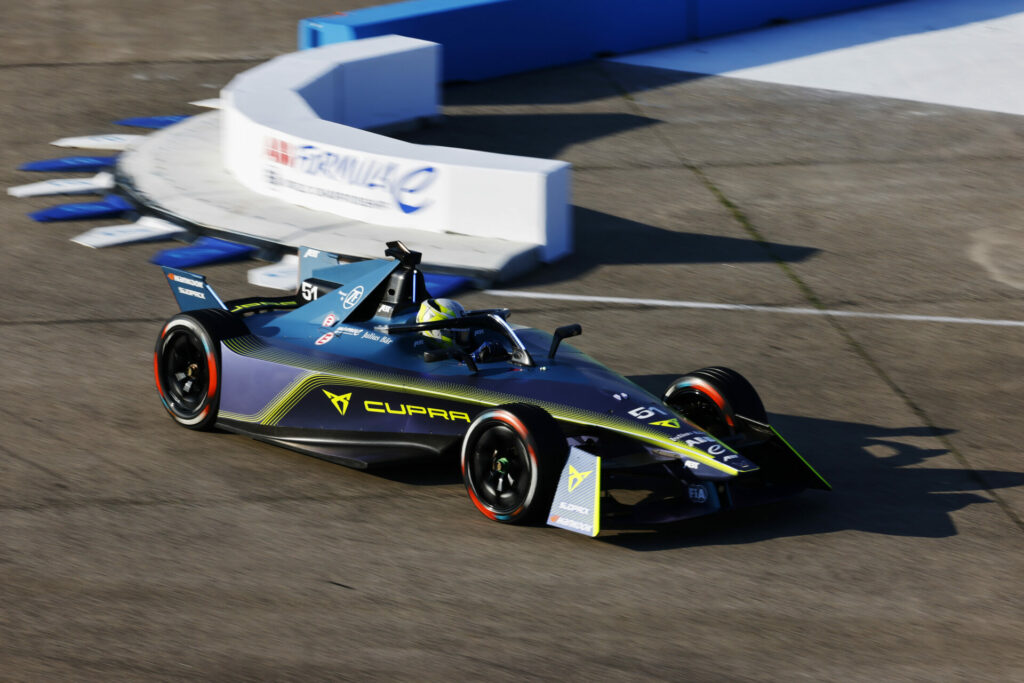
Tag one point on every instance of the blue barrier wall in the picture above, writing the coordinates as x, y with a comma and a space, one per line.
487, 38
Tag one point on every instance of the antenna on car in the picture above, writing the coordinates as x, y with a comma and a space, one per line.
405, 288
408, 257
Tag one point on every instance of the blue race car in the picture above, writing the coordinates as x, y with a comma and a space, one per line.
363, 367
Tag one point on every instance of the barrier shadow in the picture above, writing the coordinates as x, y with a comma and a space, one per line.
532, 135
599, 238
879, 486
603, 239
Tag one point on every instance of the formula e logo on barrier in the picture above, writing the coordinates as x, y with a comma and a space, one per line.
352, 298
405, 189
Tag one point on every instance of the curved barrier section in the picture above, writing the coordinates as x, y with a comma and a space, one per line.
292, 129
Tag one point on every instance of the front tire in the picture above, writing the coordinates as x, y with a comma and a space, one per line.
711, 398
186, 365
512, 458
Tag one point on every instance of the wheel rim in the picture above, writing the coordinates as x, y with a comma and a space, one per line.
186, 374
701, 409
500, 471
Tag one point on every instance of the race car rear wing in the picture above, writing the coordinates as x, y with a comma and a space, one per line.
191, 291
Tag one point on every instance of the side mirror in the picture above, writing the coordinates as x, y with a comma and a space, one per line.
564, 332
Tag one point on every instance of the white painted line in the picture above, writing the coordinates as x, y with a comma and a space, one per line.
212, 103
116, 141
146, 229
584, 298
98, 183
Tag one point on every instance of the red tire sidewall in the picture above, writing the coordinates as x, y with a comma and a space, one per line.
205, 415
484, 421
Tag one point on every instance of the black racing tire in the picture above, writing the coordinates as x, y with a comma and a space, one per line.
512, 458
187, 364
711, 398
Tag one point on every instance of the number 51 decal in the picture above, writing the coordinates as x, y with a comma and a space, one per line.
646, 413
642, 413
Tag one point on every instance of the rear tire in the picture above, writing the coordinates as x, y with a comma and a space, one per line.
186, 365
712, 397
512, 458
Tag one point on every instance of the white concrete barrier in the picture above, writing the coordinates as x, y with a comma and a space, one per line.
292, 129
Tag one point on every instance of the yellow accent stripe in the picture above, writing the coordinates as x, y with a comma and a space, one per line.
337, 372
261, 416
597, 500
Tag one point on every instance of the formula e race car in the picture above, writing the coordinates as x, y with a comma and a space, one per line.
348, 369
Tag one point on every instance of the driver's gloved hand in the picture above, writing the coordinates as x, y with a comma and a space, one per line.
489, 350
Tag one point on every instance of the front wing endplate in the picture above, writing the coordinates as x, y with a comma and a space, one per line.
577, 503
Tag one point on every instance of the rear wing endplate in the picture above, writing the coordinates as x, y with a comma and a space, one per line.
191, 291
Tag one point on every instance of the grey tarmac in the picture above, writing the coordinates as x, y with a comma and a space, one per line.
132, 549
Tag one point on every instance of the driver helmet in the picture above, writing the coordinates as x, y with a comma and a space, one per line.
439, 309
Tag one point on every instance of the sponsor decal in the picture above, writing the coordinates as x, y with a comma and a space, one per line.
186, 280
620, 396
330, 321
191, 292
565, 522
729, 457
350, 299
325, 338
409, 409
576, 477
373, 336
398, 188
692, 464
311, 253
715, 449
682, 435
698, 494
340, 401
348, 331
671, 422
385, 308
572, 507
279, 151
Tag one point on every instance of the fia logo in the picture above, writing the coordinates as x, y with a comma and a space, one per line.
698, 494
352, 298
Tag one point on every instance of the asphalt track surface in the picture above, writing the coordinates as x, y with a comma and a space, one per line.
132, 549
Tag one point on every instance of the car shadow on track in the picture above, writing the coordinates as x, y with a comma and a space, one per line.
881, 484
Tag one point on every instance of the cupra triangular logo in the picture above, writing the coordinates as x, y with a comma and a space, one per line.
671, 422
576, 477
340, 402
